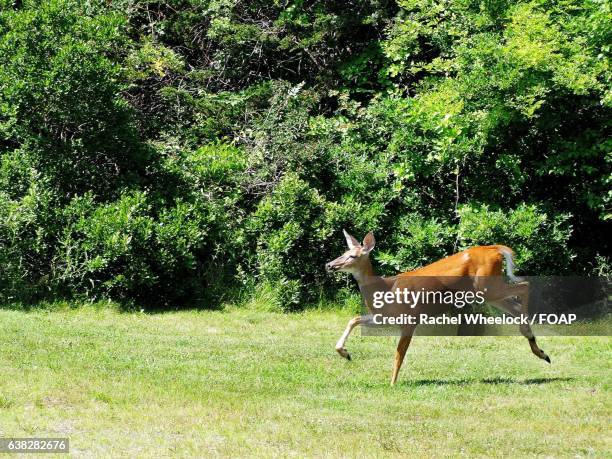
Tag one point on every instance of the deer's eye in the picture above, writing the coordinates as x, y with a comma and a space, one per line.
352, 256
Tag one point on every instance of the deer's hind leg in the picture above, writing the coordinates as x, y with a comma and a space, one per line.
400, 353
515, 301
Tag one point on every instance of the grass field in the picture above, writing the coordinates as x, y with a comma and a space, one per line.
246, 383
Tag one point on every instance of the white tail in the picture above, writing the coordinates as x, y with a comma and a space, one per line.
509, 257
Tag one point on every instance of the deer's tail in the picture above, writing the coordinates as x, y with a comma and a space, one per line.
509, 257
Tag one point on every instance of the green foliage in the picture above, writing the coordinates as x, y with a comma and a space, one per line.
416, 241
60, 97
122, 250
290, 230
137, 248
26, 243
174, 153
540, 242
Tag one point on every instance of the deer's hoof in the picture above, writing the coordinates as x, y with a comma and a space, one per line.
343, 353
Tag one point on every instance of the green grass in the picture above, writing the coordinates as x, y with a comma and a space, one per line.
245, 383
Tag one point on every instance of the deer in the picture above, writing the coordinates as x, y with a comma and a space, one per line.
480, 266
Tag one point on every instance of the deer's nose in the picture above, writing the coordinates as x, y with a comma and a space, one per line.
328, 266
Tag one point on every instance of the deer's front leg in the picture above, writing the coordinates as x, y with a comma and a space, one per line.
347, 331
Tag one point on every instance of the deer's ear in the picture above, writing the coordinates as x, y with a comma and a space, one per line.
368, 242
350, 240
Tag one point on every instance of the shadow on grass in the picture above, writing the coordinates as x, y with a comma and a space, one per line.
492, 381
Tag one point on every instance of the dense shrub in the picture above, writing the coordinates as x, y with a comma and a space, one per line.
178, 153
26, 244
295, 230
540, 242
416, 241
123, 250
60, 98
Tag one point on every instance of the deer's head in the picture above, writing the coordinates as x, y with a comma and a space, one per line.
355, 259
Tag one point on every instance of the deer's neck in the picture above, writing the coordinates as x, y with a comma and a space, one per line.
364, 274
369, 283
